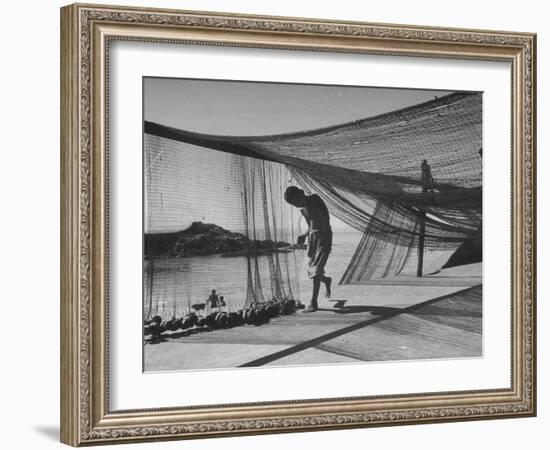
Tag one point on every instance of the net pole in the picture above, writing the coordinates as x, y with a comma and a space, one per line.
421, 244
426, 179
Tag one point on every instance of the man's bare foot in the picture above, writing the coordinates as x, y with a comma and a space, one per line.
327, 287
310, 309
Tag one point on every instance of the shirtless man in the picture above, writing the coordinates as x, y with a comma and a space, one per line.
213, 300
319, 239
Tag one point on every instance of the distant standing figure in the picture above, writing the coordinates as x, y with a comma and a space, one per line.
319, 239
213, 300
427, 178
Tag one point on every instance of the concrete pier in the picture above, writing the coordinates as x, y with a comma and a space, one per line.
439, 316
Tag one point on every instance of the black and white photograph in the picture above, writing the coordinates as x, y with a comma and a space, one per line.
292, 224
270, 225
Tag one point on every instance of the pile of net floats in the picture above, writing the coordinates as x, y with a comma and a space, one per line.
256, 314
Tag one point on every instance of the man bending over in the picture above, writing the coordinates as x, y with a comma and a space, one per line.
319, 238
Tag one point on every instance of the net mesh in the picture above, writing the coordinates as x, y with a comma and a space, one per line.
369, 172
184, 184
265, 216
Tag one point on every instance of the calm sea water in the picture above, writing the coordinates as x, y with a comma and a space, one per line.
180, 282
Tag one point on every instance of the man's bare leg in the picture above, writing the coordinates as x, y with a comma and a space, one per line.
327, 281
313, 306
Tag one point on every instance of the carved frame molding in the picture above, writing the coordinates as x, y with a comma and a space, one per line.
86, 31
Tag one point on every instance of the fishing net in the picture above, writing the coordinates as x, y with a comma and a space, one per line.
409, 180
188, 187
267, 216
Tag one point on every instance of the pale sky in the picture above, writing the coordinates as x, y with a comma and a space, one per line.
252, 108
196, 184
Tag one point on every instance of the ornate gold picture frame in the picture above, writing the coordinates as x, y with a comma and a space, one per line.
87, 32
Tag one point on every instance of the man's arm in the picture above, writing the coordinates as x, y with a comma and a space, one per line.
302, 237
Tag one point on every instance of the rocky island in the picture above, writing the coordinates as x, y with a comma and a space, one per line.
206, 239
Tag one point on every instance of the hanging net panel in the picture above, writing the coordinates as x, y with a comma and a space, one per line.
407, 178
266, 216
190, 187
